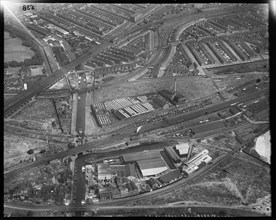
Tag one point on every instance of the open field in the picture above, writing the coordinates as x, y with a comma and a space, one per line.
13, 49
38, 115
191, 87
15, 148
231, 81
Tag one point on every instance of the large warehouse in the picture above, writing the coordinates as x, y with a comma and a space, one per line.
150, 163
151, 167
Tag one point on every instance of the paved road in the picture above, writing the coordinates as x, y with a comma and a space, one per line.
207, 208
234, 210
80, 123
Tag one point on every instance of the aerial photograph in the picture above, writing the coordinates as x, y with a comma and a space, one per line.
148, 110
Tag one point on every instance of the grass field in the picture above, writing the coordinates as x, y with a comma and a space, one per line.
38, 115
15, 148
13, 50
191, 87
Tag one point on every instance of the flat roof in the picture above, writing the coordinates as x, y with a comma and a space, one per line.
183, 148
141, 156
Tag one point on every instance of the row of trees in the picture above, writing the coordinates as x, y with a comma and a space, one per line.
36, 59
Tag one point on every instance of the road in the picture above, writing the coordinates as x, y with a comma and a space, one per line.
235, 210
80, 123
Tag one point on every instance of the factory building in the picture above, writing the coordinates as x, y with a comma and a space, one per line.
174, 98
182, 149
197, 162
172, 154
196, 157
152, 167
171, 176
150, 163
153, 183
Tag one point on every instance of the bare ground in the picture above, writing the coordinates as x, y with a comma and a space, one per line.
191, 87
15, 148
38, 115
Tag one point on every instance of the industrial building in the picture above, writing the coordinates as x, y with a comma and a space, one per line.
197, 157
171, 176
152, 167
174, 98
197, 162
182, 149
172, 154
150, 163
153, 183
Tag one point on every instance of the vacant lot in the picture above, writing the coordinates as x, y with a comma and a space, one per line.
232, 81
61, 84
14, 50
191, 87
15, 148
40, 110
38, 115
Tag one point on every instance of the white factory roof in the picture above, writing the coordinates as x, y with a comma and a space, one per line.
183, 148
153, 171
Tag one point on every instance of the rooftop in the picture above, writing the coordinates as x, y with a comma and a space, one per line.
183, 148
170, 176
